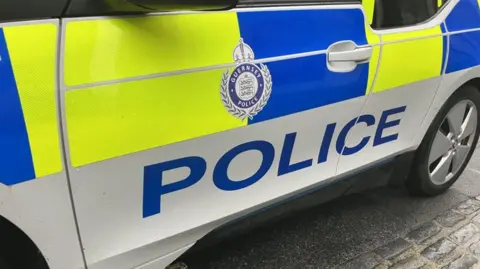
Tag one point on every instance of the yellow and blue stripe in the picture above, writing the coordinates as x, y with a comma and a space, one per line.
119, 118
28, 115
173, 64
138, 83
124, 117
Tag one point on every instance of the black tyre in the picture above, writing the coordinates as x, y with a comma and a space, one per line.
448, 144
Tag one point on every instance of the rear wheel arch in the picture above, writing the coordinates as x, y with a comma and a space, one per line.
444, 92
422, 179
17, 250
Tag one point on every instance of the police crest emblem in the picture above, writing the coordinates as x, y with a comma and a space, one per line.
246, 90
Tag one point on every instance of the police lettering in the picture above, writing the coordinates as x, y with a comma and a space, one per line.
154, 188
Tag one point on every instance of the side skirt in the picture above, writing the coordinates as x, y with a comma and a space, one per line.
391, 172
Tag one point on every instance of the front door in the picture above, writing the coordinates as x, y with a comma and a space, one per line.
178, 123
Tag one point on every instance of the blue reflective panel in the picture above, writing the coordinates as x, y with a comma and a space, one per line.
465, 15
464, 51
277, 33
304, 83
16, 164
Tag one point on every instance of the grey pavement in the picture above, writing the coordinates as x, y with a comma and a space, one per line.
382, 228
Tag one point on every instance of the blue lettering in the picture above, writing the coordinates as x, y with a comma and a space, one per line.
153, 176
327, 140
383, 124
341, 147
284, 166
220, 175
153, 188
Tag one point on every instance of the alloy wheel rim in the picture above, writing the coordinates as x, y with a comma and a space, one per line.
453, 142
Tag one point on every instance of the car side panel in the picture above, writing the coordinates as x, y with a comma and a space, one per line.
145, 94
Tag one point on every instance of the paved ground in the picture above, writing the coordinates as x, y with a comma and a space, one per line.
383, 228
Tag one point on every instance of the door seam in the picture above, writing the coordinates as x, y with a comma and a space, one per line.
59, 92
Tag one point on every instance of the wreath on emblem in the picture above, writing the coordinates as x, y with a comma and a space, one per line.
257, 85
241, 113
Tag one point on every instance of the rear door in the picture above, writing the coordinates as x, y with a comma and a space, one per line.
177, 123
410, 71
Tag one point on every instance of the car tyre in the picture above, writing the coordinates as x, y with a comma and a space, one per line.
448, 144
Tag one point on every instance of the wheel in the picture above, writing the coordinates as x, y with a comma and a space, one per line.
448, 144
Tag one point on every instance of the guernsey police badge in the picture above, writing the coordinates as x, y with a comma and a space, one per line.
246, 90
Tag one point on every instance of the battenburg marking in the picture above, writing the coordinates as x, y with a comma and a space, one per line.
247, 89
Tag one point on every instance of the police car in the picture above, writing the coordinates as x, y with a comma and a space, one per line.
134, 131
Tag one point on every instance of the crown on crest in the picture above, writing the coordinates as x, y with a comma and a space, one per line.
243, 53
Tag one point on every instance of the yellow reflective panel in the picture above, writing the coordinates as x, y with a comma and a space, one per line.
369, 7
409, 57
113, 120
374, 40
32, 50
109, 49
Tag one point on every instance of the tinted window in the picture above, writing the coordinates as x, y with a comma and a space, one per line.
11, 10
399, 13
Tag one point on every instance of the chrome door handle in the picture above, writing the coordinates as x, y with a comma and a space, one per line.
345, 56
356, 55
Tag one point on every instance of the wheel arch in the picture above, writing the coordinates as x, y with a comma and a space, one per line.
449, 84
17, 248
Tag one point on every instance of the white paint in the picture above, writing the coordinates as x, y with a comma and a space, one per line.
41, 208
416, 97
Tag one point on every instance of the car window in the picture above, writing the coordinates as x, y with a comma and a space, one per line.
401, 13
30, 9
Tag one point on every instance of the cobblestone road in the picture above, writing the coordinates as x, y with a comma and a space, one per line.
383, 228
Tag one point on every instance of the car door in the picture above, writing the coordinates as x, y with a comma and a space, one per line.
412, 61
177, 123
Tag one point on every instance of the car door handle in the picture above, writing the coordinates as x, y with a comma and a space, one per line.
345, 56
357, 55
